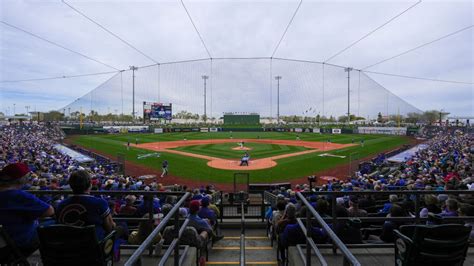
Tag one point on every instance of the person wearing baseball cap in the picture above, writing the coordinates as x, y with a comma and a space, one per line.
199, 223
20, 210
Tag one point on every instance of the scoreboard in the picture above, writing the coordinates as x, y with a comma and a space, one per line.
156, 111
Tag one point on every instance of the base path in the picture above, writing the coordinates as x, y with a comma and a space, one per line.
226, 164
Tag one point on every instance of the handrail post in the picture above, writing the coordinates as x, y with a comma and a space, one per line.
263, 207
308, 236
242, 235
417, 208
150, 218
176, 235
334, 220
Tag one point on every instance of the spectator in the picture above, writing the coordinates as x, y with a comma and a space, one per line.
431, 205
144, 229
19, 210
451, 209
289, 217
83, 209
387, 235
278, 213
207, 213
468, 210
129, 209
354, 210
199, 223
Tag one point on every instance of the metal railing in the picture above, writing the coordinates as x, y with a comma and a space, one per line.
416, 219
231, 209
349, 258
242, 236
135, 257
148, 198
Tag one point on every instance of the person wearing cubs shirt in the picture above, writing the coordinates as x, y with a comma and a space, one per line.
82, 209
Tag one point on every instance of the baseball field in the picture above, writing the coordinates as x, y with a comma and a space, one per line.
215, 157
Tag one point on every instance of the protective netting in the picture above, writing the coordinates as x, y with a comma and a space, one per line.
245, 85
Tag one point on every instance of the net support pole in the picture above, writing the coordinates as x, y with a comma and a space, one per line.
133, 68
204, 77
278, 98
348, 70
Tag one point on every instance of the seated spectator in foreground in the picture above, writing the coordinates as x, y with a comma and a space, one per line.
388, 227
129, 209
431, 205
278, 213
82, 209
199, 223
213, 206
20, 210
144, 229
207, 213
354, 210
387, 206
451, 209
468, 210
289, 217
288, 230
347, 231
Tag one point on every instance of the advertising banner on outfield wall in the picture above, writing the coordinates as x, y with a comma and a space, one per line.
204, 129
336, 131
125, 129
158, 130
383, 130
213, 129
316, 130
298, 130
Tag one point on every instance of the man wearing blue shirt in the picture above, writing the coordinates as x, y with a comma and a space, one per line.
82, 209
20, 210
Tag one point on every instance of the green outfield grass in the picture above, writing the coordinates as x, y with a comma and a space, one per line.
224, 150
197, 169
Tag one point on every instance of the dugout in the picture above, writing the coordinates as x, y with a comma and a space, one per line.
241, 119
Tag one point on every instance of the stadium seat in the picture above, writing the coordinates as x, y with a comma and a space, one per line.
191, 238
431, 245
73, 245
9, 253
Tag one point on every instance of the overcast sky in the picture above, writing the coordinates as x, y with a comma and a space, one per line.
162, 30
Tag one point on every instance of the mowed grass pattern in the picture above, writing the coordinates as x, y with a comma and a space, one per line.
197, 169
224, 150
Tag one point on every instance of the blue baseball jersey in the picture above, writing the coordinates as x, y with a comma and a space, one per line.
83, 210
19, 213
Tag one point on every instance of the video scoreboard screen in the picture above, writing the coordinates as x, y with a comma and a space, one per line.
157, 111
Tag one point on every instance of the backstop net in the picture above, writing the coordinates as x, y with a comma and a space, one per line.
213, 87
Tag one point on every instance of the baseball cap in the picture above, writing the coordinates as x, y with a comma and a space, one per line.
14, 171
205, 201
194, 206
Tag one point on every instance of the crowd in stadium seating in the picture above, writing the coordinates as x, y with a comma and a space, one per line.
30, 162
445, 165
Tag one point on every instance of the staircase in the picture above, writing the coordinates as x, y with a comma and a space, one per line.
258, 250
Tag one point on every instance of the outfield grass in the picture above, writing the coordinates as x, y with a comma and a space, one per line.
197, 169
224, 150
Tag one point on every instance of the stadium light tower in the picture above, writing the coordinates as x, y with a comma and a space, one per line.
133, 68
278, 98
348, 70
205, 77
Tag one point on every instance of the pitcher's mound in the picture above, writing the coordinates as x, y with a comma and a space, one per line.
241, 148
257, 164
